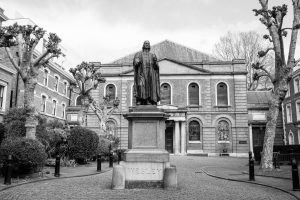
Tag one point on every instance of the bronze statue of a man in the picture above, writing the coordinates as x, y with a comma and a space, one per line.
146, 77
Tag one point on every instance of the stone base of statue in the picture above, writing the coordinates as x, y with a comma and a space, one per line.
146, 158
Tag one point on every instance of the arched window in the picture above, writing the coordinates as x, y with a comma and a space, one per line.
110, 91
78, 101
65, 88
54, 107
165, 94
56, 82
193, 94
291, 138
45, 77
43, 104
111, 128
223, 131
194, 131
222, 95
63, 110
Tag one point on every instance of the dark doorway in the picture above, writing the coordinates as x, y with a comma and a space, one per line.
169, 139
258, 134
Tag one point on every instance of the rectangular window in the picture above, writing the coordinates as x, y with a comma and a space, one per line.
288, 113
296, 85
288, 93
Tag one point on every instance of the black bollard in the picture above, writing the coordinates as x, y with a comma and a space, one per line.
111, 161
99, 163
295, 175
251, 170
57, 166
7, 178
250, 155
119, 157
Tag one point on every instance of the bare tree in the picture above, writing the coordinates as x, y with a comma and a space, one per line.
273, 20
245, 45
88, 78
23, 40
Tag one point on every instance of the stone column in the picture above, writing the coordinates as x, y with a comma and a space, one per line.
183, 138
177, 138
250, 139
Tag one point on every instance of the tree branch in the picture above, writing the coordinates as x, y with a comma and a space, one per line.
297, 61
7, 49
40, 58
296, 21
47, 59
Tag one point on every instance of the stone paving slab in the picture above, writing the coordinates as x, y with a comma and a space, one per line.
192, 185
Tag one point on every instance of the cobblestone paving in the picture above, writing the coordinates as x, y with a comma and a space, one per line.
191, 186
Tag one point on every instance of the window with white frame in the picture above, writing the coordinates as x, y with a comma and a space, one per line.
2, 96
56, 83
288, 93
288, 113
63, 111
291, 138
45, 77
43, 104
296, 85
54, 107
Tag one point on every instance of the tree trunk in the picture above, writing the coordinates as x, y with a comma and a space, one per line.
31, 120
275, 101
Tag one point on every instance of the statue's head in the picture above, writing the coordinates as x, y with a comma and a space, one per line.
146, 45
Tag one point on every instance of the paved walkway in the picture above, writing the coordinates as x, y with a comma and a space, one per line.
193, 184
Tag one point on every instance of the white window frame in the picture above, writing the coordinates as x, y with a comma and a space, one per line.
289, 117
4, 84
216, 93
289, 138
187, 95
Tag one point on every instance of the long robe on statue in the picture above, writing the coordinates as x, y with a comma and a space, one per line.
146, 77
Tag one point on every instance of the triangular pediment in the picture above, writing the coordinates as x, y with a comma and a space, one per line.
172, 67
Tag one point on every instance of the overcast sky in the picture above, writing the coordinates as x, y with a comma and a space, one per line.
105, 30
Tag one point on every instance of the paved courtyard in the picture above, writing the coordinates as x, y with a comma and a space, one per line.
193, 184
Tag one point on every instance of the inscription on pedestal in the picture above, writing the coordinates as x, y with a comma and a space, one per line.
144, 171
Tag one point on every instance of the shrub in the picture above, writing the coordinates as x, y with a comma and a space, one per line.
103, 146
28, 154
82, 144
14, 121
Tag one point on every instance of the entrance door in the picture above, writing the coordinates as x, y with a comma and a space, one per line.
258, 134
169, 139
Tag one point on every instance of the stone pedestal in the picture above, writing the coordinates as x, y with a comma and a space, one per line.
146, 157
